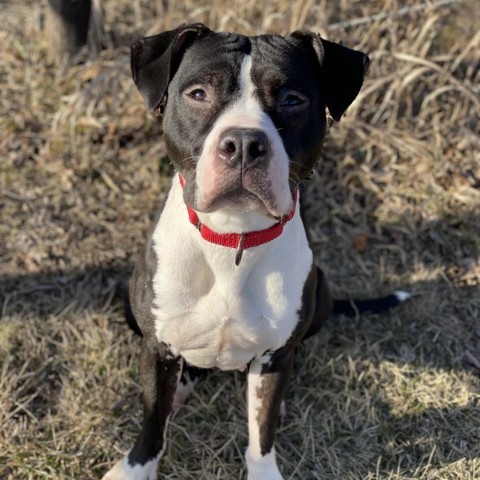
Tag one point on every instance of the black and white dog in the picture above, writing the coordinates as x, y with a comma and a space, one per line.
227, 278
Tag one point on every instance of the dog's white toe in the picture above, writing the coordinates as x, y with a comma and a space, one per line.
122, 470
183, 391
263, 467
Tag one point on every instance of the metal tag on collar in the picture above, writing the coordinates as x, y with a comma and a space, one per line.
238, 256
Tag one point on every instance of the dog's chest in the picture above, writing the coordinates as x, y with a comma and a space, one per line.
224, 323
216, 314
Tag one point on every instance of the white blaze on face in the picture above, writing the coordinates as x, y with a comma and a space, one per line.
245, 112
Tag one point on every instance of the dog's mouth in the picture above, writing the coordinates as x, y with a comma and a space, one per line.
249, 194
240, 199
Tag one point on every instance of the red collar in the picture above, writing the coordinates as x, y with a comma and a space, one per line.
239, 241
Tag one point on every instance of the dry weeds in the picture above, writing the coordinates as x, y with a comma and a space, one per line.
82, 167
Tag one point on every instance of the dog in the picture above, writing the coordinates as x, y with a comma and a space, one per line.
227, 278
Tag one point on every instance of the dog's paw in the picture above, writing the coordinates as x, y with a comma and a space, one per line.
184, 389
263, 467
122, 470
265, 475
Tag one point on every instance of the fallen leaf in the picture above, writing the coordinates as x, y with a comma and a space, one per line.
360, 242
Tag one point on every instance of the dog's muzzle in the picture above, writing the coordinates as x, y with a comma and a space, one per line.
241, 169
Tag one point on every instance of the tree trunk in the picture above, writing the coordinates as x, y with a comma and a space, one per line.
67, 27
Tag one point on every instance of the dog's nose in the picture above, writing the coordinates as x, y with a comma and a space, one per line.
245, 147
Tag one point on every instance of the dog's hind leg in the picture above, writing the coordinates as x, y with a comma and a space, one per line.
129, 316
317, 301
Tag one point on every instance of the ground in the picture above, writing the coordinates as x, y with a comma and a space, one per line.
394, 203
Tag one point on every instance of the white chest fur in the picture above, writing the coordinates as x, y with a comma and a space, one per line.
216, 314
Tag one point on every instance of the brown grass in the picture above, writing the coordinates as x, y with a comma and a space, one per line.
82, 167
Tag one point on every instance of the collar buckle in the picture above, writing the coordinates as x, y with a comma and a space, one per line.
238, 255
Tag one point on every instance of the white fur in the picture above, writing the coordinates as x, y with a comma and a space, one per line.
227, 220
122, 470
402, 295
246, 112
182, 392
263, 468
216, 314
260, 467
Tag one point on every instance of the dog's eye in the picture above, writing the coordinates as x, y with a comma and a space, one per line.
292, 99
198, 94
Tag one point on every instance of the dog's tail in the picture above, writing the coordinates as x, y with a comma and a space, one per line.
374, 305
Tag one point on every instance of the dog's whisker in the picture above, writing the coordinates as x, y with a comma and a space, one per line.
295, 175
299, 164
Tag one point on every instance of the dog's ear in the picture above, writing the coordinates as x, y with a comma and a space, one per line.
155, 59
342, 71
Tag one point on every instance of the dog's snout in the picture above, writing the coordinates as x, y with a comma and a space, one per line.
245, 147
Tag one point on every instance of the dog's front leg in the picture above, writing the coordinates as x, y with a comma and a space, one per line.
268, 378
159, 374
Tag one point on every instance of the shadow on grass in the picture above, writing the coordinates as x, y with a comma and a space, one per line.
396, 390
430, 332
50, 293
431, 436
431, 338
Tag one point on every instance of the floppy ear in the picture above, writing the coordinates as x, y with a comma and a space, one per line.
342, 71
155, 59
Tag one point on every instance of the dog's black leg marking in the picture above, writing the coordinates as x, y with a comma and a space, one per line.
268, 379
159, 373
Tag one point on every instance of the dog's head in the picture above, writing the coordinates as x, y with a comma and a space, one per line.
244, 117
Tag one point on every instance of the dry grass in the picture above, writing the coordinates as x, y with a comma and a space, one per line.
394, 396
